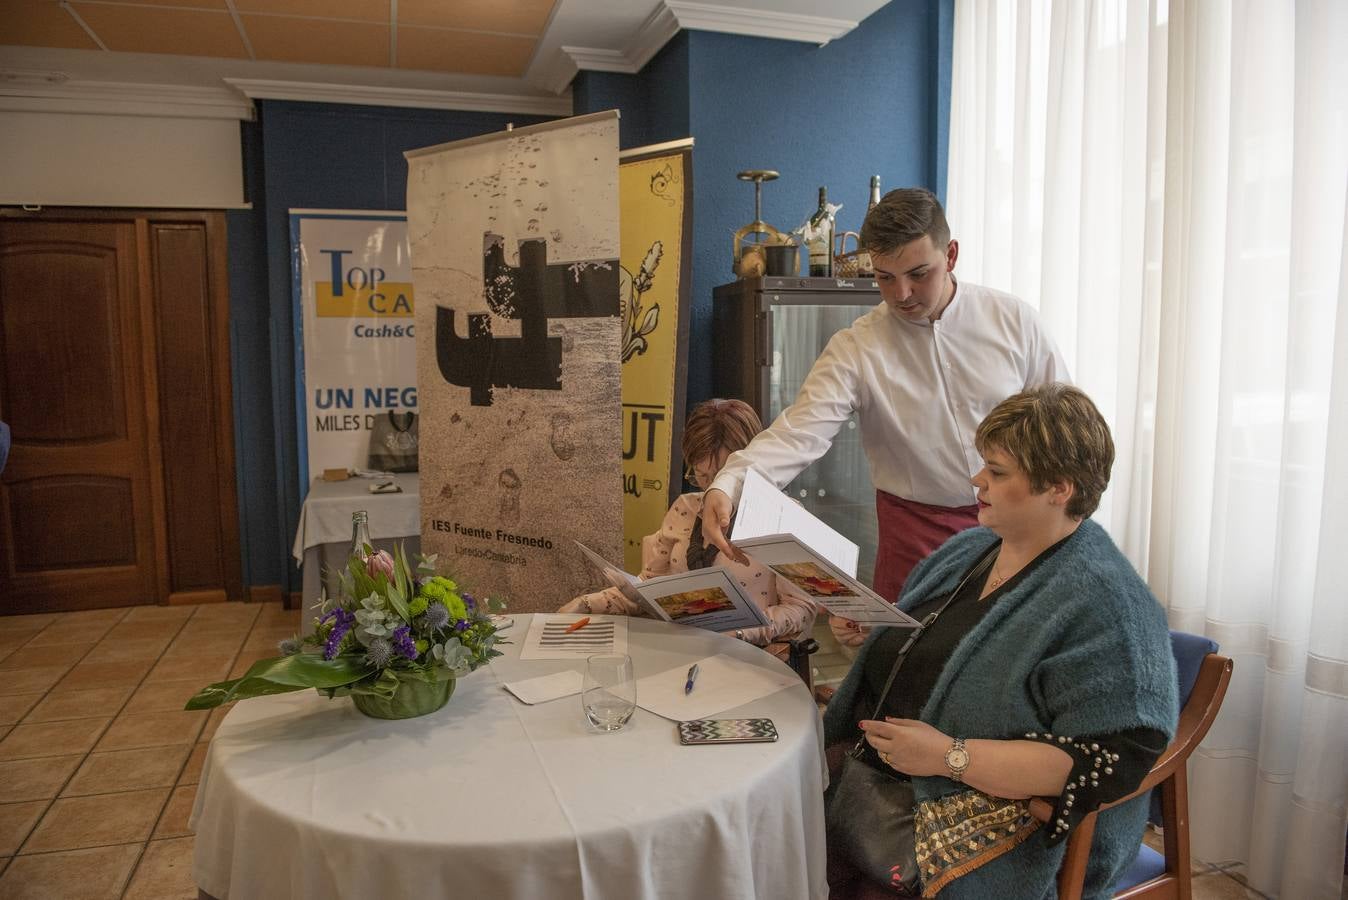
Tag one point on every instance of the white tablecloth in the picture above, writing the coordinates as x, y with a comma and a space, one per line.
323, 538
488, 798
326, 516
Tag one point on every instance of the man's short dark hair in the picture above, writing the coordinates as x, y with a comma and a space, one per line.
901, 217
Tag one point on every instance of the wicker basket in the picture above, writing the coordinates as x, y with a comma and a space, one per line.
850, 264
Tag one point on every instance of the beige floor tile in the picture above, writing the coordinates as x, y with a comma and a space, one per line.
144, 631
80, 704
31, 681
1217, 886
13, 707
76, 822
39, 778
178, 614
126, 649
164, 872
58, 634
232, 613
16, 821
100, 873
127, 770
153, 729
155, 695
246, 661
206, 646
29, 625
108, 616
173, 823
30, 656
8, 644
207, 669
217, 716
101, 675
52, 738
191, 773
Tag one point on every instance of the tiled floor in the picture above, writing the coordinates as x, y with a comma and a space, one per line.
98, 760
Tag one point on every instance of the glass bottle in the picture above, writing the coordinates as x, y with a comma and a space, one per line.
360, 534
820, 242
864, 265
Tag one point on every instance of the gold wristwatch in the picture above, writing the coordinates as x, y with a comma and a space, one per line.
957, 760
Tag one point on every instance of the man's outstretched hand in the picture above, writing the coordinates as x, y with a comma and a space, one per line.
716, 512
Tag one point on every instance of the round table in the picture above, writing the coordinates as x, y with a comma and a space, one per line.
301, 796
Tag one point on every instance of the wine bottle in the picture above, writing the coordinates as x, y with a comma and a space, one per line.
864, 265
360, 535
820, 241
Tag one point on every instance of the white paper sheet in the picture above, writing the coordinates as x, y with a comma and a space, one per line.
722, 683
546, 687
765, 510
549, 639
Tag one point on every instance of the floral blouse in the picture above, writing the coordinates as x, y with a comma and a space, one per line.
666, 552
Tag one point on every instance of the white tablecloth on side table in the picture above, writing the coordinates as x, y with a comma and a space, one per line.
488, 798
323, 538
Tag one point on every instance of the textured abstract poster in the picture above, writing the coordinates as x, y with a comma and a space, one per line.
655, 191
514, 242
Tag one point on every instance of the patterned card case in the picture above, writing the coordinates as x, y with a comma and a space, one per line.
727, 731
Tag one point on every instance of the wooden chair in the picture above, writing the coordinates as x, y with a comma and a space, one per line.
1152, 875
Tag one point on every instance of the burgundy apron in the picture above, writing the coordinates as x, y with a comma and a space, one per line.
909, 532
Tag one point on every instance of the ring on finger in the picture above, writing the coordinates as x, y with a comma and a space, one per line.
885, 757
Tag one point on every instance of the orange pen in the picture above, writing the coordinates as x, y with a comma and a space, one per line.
577, 625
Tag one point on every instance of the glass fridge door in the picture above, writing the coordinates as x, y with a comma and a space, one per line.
836, 488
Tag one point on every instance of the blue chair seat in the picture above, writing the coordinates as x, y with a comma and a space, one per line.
1148, 865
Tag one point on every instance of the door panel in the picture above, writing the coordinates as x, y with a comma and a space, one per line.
76, 511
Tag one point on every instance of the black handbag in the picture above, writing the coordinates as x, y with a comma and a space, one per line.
868, 812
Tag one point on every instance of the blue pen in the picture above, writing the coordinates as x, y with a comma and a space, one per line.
692, 676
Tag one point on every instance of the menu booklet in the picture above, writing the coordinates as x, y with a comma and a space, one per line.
703, 598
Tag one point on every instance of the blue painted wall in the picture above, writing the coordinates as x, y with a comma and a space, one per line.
303, 155
875, 102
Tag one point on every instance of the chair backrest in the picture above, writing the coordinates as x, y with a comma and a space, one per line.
1208, 688
1189, 651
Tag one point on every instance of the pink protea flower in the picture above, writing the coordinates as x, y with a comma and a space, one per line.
380, 562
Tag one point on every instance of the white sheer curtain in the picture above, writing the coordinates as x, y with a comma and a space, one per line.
1168, 183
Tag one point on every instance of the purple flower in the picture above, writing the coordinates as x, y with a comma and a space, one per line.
461, 625
436, 617
468, 600
343, 623
380, 652
403, 643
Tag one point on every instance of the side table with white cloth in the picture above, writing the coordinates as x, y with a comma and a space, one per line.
302, 796
323, 539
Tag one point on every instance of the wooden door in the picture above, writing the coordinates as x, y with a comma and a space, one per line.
76, 497
114, 376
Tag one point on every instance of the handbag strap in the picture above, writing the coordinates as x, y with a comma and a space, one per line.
919, 631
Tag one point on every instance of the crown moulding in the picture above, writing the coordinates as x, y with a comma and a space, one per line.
668, 19
418, 98
113, 98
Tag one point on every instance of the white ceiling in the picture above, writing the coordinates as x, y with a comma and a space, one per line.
603, 35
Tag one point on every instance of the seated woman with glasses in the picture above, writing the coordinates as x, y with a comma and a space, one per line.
716, 429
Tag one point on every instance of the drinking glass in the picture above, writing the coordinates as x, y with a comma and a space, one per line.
609, 696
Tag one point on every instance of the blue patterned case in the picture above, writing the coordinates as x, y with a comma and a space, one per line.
727, 731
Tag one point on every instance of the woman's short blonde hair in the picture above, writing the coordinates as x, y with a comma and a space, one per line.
717, 425
1054, 433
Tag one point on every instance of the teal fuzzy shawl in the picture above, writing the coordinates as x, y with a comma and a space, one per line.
1078, 647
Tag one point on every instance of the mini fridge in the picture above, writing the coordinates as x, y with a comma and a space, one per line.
768, 333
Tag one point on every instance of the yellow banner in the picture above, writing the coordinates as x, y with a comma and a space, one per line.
652, 198
389, 300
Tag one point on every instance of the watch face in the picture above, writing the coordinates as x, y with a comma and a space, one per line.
957, 759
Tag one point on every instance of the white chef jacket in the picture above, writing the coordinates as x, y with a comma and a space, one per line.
919, 390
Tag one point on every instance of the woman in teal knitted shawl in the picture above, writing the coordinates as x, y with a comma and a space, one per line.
1048, 672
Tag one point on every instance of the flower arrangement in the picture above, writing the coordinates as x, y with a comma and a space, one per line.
392, 641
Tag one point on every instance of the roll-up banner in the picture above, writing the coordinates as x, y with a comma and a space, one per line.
655, 194
356, 381
515, 244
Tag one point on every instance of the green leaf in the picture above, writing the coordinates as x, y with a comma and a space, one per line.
399, 603
283, 674
386, 685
